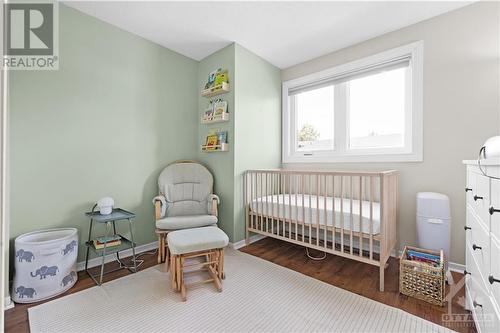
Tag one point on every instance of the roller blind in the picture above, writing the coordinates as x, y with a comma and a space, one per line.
353, 74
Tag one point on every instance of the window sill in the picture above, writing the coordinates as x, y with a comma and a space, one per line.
372, 158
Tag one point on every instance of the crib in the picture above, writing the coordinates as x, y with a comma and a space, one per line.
349, 214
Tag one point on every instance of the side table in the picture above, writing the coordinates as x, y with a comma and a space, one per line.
116, 215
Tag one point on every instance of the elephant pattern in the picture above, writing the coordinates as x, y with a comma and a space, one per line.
44, 271
70, 247
68, 278
24, 255
23, 291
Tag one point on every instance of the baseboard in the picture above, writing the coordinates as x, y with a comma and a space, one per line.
454, 267
242, 243
7, 303
80, 266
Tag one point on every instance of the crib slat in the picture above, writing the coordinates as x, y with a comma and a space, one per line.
290, 206
360, 216
252, 198
296, 183
262, 194
333, 213
371, 218
267, 203
317, 209
342, 220
325, 216
303, 207
310, 209
350, 215
273, 191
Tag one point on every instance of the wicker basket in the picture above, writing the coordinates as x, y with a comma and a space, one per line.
422, 281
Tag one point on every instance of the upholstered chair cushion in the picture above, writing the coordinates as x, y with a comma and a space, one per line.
186, 222
187, 188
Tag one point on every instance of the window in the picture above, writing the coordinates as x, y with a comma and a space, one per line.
369, 110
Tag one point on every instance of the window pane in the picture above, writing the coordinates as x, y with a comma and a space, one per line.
377, 110
314, 112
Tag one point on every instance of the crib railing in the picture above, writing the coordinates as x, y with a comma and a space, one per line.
352, 214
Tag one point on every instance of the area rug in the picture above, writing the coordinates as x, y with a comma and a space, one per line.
258, 296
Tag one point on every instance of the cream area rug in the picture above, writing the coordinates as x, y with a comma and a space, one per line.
258, 296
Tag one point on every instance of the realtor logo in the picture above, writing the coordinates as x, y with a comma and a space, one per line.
31, 35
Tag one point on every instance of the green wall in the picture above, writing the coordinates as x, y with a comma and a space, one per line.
254, 129
220, 163
257, 124
115, 113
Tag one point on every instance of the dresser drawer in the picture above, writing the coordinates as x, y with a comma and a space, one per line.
484, 313
478, 244
495, 203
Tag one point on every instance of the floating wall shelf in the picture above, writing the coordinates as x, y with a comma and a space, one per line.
216, 90
216, 148
215, 119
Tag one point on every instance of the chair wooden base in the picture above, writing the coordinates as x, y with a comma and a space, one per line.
213, 265
163, 253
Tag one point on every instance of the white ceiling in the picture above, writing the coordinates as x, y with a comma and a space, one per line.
283, 33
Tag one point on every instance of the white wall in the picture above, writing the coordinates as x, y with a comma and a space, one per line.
461, 106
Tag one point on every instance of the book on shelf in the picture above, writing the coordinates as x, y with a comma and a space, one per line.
98, 245
106, 239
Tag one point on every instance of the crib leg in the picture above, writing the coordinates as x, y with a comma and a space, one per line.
381, 277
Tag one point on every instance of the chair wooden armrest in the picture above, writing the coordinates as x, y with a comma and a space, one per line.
215, 202
157, 209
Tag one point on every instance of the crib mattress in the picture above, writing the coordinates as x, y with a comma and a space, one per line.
289, 206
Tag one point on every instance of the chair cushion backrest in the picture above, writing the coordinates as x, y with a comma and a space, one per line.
186, 187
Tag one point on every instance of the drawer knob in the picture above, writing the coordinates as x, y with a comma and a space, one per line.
466, 228
476, 304
493, 210
476, 198
467, 189
475, 247
465, 272
493, 280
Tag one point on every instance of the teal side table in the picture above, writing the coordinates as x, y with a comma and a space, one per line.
110, 220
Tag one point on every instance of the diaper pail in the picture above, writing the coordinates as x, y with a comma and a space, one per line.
45, 264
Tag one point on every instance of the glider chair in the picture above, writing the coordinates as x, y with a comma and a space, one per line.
185, 201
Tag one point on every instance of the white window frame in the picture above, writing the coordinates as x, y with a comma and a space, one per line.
412, 152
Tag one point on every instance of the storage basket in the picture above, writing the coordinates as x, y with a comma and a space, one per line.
45, 263
420, 280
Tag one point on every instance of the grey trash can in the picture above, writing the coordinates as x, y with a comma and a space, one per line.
45, 264
434, 224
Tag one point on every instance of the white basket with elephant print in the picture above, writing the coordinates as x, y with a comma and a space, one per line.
45, 264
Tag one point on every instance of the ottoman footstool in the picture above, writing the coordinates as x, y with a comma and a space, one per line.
207, 243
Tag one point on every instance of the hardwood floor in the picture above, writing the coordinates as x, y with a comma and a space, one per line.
359, 278
354, 276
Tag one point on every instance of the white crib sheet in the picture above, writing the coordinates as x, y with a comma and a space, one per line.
279, 206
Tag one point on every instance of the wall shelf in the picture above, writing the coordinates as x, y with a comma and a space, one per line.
215, 119
216, 148
216, 90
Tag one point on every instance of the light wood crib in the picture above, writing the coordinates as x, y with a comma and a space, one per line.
350, 214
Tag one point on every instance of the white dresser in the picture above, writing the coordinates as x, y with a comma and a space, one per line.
482, 249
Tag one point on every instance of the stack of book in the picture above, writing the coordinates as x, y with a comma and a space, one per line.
426, 258
109, 241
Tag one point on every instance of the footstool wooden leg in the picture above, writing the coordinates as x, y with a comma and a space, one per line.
178, 273
181, 275
221, 264
159, 248
167, 255
173, 282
